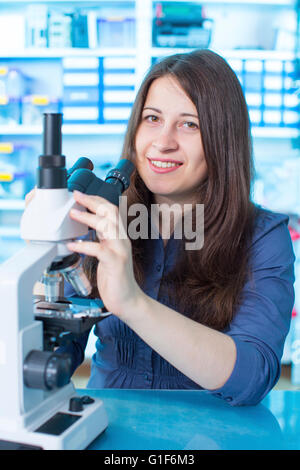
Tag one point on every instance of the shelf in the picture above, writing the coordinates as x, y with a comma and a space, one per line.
95, 2
8, 231
279, 3
48, 53
275, 132
53, 53
258, 54
122, 2
12, 204
232, 54
67, 129
120, 129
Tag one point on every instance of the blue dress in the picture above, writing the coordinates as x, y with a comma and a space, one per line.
259, 328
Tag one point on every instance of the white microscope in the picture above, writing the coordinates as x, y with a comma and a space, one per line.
39, 408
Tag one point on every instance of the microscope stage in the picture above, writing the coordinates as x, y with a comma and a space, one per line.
73, 317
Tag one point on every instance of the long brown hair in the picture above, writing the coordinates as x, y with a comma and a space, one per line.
206, 284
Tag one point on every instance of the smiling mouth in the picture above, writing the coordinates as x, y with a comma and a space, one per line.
164, 163
161, 167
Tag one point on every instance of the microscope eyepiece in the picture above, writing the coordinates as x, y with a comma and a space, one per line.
116, 181
121, 173
52, 134
51, 173
82, 162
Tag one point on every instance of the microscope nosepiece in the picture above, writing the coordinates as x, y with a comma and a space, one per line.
78, 280
71, 269
52, 283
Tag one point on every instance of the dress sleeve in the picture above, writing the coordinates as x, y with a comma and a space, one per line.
76, 347
76, 350
262, 321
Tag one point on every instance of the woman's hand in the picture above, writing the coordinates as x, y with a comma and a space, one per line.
29, 196
39, 288
117, 286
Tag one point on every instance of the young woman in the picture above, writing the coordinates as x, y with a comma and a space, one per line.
214, 318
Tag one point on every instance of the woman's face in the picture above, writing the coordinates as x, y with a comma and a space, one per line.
169, 152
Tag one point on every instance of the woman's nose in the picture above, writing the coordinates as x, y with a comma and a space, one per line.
165, 141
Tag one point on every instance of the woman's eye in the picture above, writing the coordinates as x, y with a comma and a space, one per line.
191, 125
151, 118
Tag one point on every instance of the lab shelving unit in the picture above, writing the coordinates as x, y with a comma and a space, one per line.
247, 33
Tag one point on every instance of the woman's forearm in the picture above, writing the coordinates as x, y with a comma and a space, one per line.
204, 355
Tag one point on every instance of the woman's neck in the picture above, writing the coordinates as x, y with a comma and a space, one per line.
167, 213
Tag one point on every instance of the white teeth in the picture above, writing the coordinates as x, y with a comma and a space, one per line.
164, 164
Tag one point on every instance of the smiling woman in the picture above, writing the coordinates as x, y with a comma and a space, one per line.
215, 317
191, 109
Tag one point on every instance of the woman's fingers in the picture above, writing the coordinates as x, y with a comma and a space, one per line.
94, 249
87, 248
93, 203
106, 227
84, 217
29, 196
103, 218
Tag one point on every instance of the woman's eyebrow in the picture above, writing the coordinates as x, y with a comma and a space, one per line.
153, 109
189, 114
181, 114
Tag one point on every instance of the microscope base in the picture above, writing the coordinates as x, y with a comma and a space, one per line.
63, 430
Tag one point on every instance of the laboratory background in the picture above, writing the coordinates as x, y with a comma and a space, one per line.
86, 60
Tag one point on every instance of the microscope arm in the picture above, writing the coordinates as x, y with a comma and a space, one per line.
19, 332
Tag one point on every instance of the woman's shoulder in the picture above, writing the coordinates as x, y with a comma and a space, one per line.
271, 240
267, 221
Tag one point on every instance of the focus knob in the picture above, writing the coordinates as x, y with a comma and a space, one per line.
75, 404
46, 370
